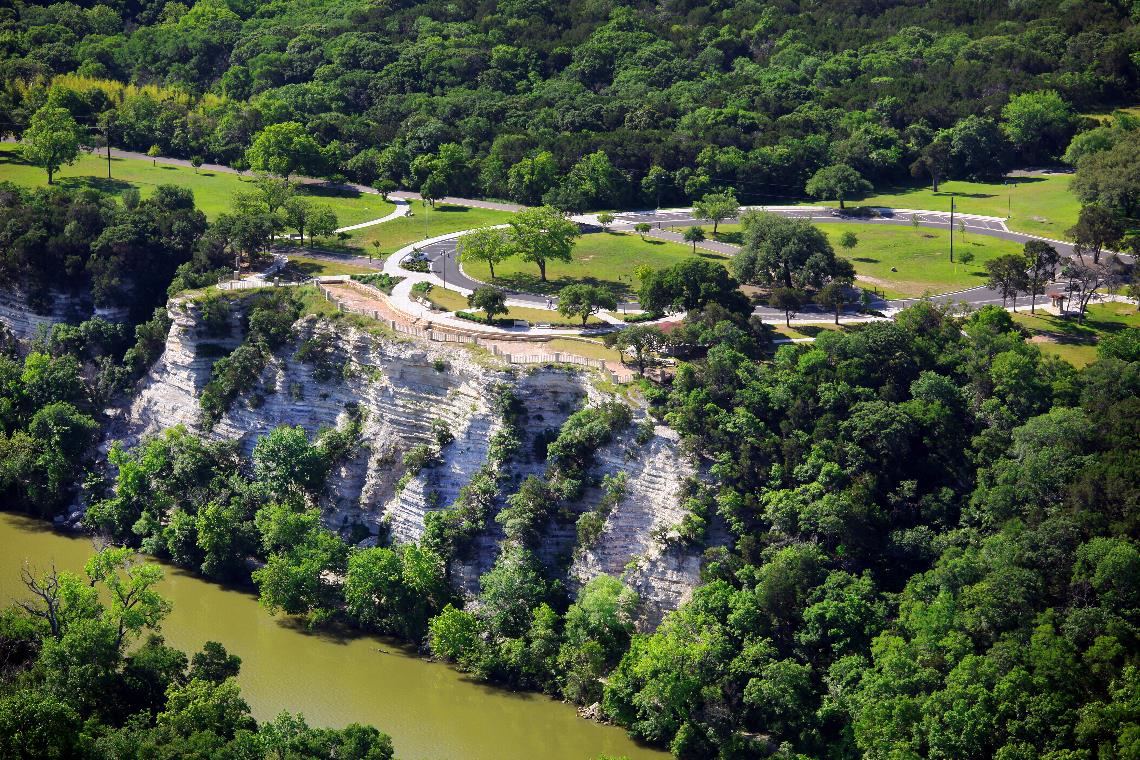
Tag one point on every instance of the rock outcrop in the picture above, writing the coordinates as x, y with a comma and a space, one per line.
27, 325
406, 393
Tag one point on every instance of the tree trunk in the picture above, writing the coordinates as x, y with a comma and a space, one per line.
841, 203
934, 176
491, 264
50, 173
787, 319
1033, 299
837, 308
542, 269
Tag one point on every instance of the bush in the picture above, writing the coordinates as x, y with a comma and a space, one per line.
382, 281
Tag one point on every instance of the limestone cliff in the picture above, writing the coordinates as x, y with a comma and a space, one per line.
27, 324
408, 393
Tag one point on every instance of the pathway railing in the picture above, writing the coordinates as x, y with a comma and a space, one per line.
450, 336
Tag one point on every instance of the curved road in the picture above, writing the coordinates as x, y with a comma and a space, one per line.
444, 263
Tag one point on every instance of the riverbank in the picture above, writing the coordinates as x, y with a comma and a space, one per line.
429, 709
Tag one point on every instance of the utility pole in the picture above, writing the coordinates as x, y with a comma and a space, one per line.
951, 229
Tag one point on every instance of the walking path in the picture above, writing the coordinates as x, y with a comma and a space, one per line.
403, 208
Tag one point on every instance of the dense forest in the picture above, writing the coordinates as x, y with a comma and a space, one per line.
920, 536
583, 104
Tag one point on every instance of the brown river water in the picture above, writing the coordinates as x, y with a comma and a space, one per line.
430, 710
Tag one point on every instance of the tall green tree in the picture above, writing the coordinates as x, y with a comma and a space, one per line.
838, 181
543, 234
52, 140
488, 245
584, 301
716, 207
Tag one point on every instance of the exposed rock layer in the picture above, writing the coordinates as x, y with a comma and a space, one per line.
406, 392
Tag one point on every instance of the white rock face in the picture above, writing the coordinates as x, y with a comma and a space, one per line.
26, 325
404, 399
662, 574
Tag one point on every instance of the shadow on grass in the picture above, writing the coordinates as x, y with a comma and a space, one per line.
331, 191
530, 283
102, 184
732, 238
865, 259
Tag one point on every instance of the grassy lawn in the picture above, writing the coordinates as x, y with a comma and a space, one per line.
448, 300
1040, 205
1073, 341
426, 222
803, 331
545, 316
591, 349
602, 258
212, 190
733, 234
300, 268
921, 257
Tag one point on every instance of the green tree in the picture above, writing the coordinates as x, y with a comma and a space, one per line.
934, 160
395, 590
787, 300
1097, 229
716, 207
283, 149
793, 252
322, 221
1038, 124
837, 181
154, 152
640, 340
52, 140
1007, 275
694, 235
642, 229
654, 183
605, 219
297, 212
487, 244
597, 632
532, 177
1042, 261
1110, 177
542, 234
833, 295
433, 188
491, 300
285, 461
580, 300
848, 240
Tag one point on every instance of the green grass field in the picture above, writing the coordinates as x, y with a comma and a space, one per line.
301, 268
591, 349
212, 190
1074, 341
426, 222
921, 257
1039, 205
602, 258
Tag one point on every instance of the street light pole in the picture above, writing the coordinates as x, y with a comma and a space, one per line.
951, 229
